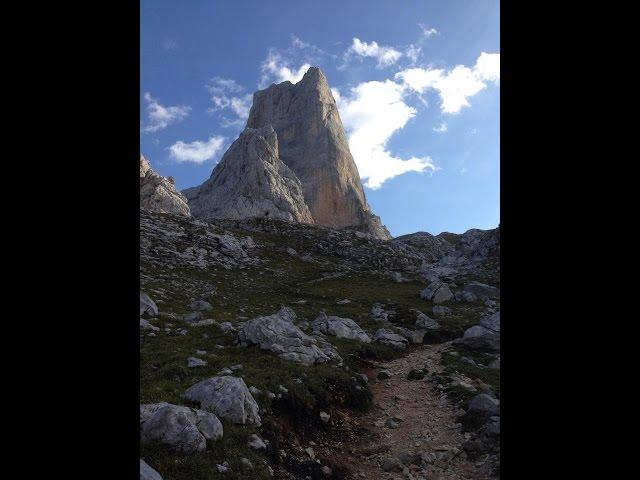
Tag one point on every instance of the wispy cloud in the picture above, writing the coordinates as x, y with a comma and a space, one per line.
160, 117
428, 31
198, 151
442, 128
276, 68
372, 112
385, 56
169, 45
454, 86
226, 94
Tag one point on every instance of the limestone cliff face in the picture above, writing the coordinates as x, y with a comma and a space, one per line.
251, 181
159, 194
312, 142
311, 154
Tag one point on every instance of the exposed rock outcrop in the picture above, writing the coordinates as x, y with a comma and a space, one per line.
227, 397
340, 327
278, 334
159, 194
251, 181
292, 162
185, 429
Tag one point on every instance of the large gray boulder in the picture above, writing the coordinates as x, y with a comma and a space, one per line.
426, 322
340, 327
479, 337
159, 194
185, 429
148, 473
251, 181
492, 322
485, 404
387, 337
437, 292
277, 333
147, 306
226, 396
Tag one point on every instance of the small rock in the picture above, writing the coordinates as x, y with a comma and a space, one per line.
384, 374
246, 463
311, 453
256, 443
391, 423
195, 362
324, 416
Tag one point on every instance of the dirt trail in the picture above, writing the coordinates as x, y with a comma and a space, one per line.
425, 423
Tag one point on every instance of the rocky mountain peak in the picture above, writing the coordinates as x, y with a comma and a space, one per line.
251, 181
313, 145
158, 193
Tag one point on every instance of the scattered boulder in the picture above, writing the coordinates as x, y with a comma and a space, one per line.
378, 313
278, 334
428, 323
481, 409
148, 473
414, 336
226, 396
437, 292
441, 311
256, 443
146, 325
384, 375
195, 362
340, 327
325, 417
147, 306
387, 337
485, 336
185, 429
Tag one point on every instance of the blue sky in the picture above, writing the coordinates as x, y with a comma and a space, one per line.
417, 83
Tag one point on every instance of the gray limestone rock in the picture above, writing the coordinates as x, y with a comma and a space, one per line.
437, 292
159, 194
313, 144
183, 428
387, 337
148, 473
277, 333
147, 306
340, 327
228, 397
428, 323
251, 181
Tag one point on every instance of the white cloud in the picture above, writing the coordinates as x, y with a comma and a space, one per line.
428, 32
456, 85
169, 45
413, 52
196, 152
227, 94
160, 117
372, 113
276, 69
442, 128
386, 56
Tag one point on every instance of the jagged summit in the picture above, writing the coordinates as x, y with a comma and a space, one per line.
251, 181
159, 194
312, 143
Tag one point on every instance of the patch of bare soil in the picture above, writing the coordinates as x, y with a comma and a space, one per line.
410, 433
